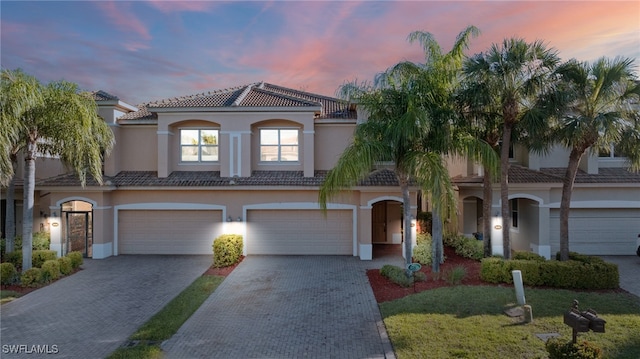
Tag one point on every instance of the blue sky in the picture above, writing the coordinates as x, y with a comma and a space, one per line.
147, 50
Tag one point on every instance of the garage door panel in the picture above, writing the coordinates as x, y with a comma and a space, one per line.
300, 232
167, 231
598, 231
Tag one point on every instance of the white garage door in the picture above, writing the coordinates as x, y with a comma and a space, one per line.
167, 231
292, 232
598, 231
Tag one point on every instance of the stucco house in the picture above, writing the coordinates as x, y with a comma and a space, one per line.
250, 160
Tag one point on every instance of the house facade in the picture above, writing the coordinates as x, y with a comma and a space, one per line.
250, 160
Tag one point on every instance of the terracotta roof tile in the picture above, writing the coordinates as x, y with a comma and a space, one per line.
213, 179
252, 95
103, 96
520, 174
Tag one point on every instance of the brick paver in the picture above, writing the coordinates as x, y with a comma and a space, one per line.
91, 313
287, 307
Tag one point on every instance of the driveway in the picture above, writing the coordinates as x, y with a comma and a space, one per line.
91, 313
629, 268
287, 307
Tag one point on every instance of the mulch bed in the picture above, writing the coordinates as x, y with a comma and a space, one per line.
384, 290
224, 271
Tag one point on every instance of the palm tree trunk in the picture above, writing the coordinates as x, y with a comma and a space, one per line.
406, 212
10, 212
27, 205
504, 190
437, 250
487, 203
565, 202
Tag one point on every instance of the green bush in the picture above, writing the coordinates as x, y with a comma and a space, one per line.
423, 238
8, 273
14, 258
50, 270
582, 258
41, 241
76, 259
422, 252
65, 265
529, 256
456, 275
38, 257
227, 250
569, 274
396, 275
464, 246
559, 349
32, 277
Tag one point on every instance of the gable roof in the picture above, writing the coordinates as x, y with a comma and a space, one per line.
255, 95
521, 174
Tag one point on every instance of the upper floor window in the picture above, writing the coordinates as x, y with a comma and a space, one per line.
278, 145
198, 145
612, 151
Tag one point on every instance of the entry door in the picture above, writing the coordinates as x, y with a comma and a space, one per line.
78, 233
379, 222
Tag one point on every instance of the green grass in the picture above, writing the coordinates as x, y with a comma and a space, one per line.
166, 322
8, 295
469, 322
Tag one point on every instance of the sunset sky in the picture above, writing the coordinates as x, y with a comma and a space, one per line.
148, 50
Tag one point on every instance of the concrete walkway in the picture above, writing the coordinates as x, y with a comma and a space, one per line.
288, 307
93, 312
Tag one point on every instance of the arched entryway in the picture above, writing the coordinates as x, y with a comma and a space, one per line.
386, 228
77, 227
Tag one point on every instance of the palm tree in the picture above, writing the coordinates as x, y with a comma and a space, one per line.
516, 72
597, 113
409, 124
53, 119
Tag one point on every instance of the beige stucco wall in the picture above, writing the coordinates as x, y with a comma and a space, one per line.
331, 140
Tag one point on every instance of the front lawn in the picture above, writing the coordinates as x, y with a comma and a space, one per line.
469, 322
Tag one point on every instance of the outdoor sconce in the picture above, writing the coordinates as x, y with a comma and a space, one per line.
239, 219
229, 219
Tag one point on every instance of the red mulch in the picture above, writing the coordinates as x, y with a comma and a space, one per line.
224, 271
384, 290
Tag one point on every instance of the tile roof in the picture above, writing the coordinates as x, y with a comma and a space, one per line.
520, 174
103, 96
213, 179
248, 96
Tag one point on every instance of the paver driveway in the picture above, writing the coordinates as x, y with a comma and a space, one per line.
287, 307
91, 313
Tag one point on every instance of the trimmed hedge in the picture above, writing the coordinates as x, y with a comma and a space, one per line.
593, 273
50, 270
227, 250
76, 259
32, 277
528, 256
423, 253
65, 265
40, 256
464, 246
8, 273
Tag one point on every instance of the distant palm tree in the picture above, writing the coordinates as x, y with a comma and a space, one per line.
409, 124
516, 73
598, 112
56, 120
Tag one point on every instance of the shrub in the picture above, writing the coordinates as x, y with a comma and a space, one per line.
465, 247
41, 241
76, 259
456, 275
493, 270
529, 256
50, 270
227, 250
559, 349
396, 275
8, 273
31, 277
38, 257
530, 270
65, 265
15, 258
423, 238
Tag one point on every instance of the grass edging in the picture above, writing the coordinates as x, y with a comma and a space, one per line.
167, 321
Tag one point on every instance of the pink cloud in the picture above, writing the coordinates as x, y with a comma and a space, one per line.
125, 19
168, 7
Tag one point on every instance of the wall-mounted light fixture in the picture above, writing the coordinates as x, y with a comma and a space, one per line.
229, 219
54, 214
239, 219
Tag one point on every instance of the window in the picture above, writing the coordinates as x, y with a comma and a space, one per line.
613, 151
198, 145
278, 145
514, 213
